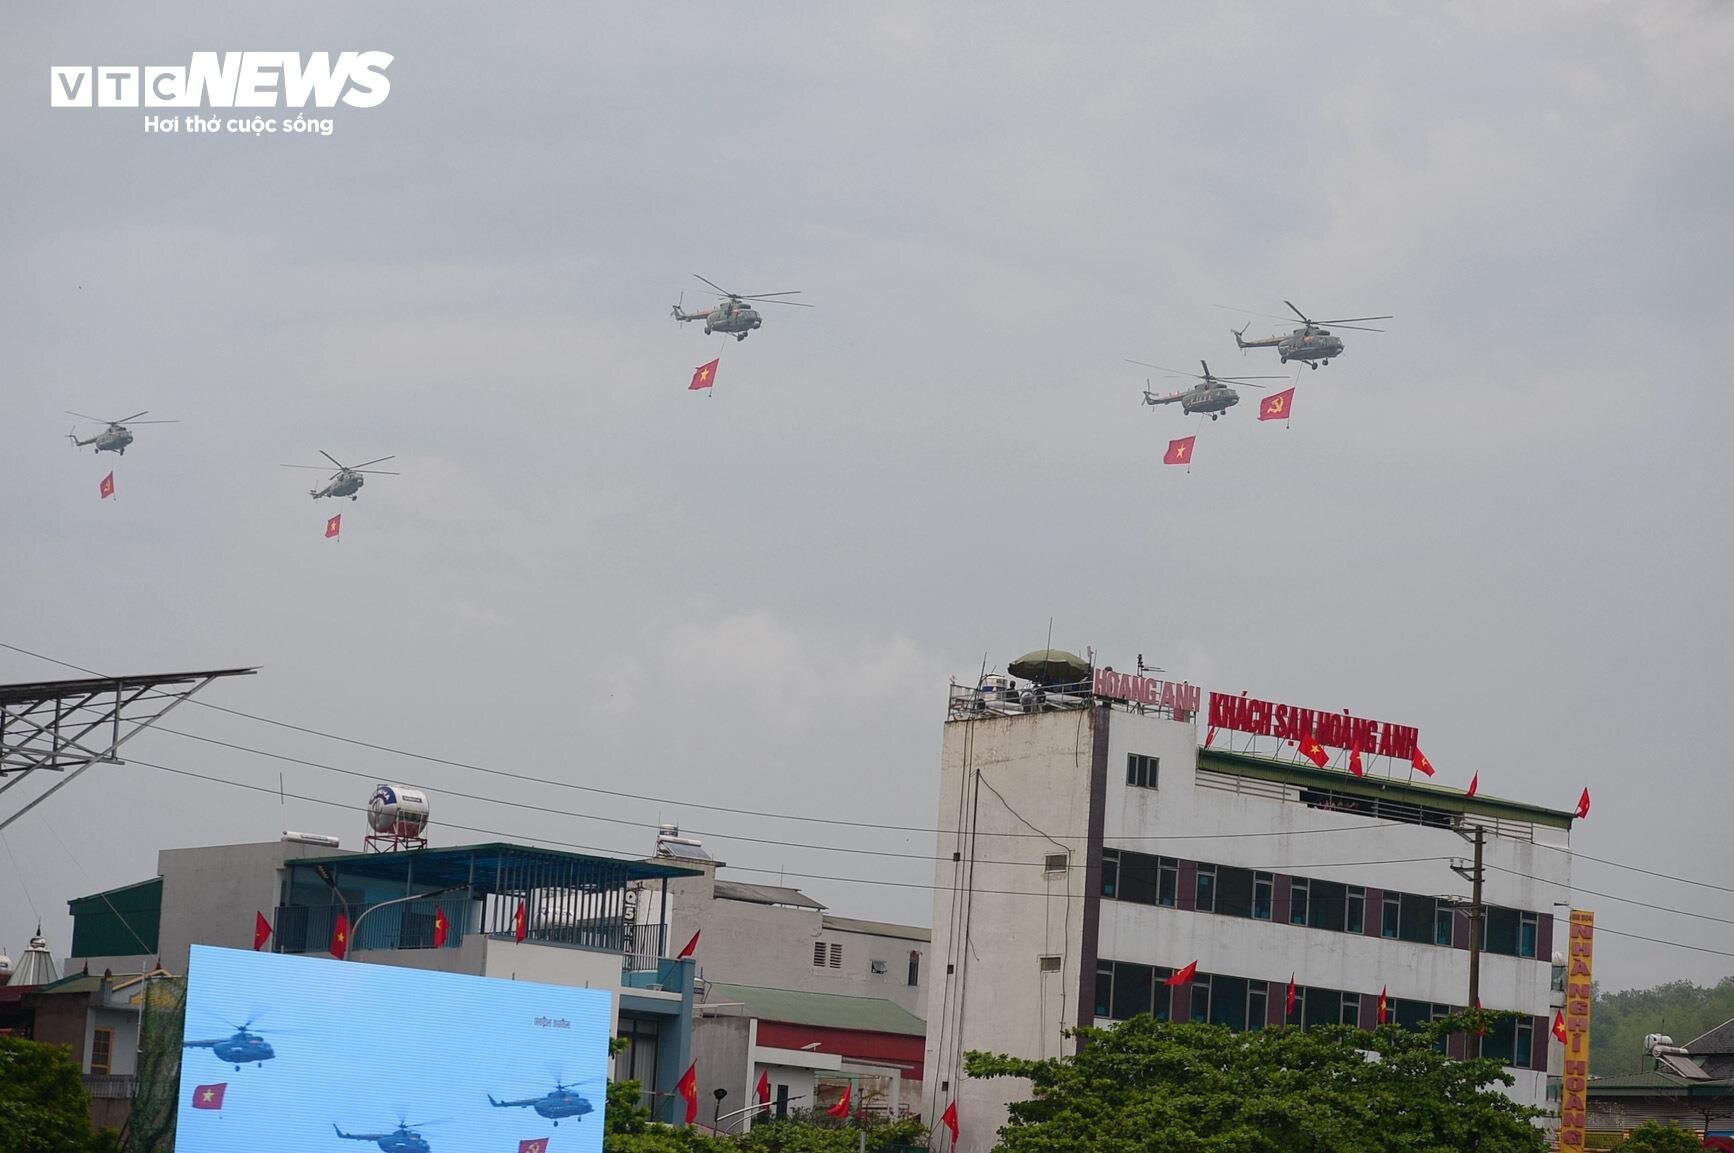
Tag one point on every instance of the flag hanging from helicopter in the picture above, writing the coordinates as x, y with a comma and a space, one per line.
1179, 451
1277, 405
106, 488
333, 526
704, 375
209, 1096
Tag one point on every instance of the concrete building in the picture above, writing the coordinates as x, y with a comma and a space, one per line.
1091, 848
1690, 1085
770, 936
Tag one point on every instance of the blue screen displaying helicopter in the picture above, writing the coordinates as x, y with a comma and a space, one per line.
296, 1053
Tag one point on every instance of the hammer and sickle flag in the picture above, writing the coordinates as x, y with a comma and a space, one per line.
1179, 451
704, 375
1277, 406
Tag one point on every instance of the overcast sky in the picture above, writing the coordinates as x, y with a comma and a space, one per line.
1504, 521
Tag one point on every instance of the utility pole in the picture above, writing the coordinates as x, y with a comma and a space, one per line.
1477, 911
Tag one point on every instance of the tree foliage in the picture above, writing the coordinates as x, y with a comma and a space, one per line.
1651, 1137
1150, 1087
1680, 1009
628, 1128
43, 1105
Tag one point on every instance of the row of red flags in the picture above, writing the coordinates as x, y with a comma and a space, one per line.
1276, 406
1312, 750
687, 1087
442, 929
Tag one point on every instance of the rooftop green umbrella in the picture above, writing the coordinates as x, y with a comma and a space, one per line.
1051, 667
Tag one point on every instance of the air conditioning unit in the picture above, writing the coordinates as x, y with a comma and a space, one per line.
877, 966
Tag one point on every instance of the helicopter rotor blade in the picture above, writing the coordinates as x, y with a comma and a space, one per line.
152, 422
768, 295
1160, 368
790, 303
134, 416
1353, 319
81, 416
365, 463
309, 467
1353, 327
713, 285
375, 472
331, 458
1298, 312
1240, 379
1249, 312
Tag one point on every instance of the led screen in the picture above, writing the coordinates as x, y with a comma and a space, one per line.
310, 1054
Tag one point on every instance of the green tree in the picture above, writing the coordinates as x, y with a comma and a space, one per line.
1651, 1137
1149, 1087
43, 1105
1680, 1009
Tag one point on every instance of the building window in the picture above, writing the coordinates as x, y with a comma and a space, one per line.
1050, 964
877, 967
1140, 771
1255, 1005
1442, 916
1055, 863
1262, 886
1527, 932
1206, 889
1167, 881
1327, 900
1297, 901
1351, 1010
1233, 891
1356, 919
819, 954
1388, 916
836, 954
914, 968
1510, 1041
1200, 998
101, 1050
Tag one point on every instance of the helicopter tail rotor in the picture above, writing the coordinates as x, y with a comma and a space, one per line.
1238, 333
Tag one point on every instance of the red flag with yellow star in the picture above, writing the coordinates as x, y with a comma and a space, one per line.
704, 375
442, 927
340, 937
687, 1087
209, 1096
521, 922
1474, 784
1277, 405
261, 931
1179, 451
1559, 1025
1421, 763
1184, 975
1313, 751
1355, 765
333, 526
106, 488
1583, 804
1293, 996
1384, 1005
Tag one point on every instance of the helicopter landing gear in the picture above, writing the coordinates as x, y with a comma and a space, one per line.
1314, 365
740, 336
352, 498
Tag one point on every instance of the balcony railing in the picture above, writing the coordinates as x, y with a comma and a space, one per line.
410, 925
114, 1086
644, 949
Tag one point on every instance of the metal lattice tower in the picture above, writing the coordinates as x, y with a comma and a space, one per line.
64, 727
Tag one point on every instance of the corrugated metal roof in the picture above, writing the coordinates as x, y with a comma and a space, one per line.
878, 928
1715, 1042
1659, 1084
765, 895
820, 1010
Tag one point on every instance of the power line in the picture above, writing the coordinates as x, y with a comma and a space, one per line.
1622, 900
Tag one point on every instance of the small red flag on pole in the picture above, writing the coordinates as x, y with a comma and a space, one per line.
1209, 736
1474, 784
1559, 1025
1184, 975
704, 375
763, 1089
1277, 405
1583, 804
106, 488
841, 1108
1293, 996
1313, 751
442, 927
1355, 765
690, 947
333, 526
949, 1120
521, 922
1421, 763
1384, 1005
340, 937
261, 931
1179, 451
688, 1090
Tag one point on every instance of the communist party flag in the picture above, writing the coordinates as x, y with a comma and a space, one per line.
1474, 784
1179, 451
841, 1108
1293, 996
1184, 975
106, 488
691, 946
442, 926
1421, 763
687, 1087
333, 526
1313, 751
1559, 1025
209, 1096
1277, 405
521, 922
340, 937
1583, 804
1384, 1005
261, 931
949, 1120
763, 1088
704, 375
1355, 765
534, 1145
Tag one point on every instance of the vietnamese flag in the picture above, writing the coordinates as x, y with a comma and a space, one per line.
690, 947
1384, 1005
841, 1108
1559, 1025
763, 1088
333, 526
949, 1120
1184, 975
106, 488
1421, 763
209, 1096
442, 926
1313, 751
1277, 405
704, 375
1583, 804
1210, 736
521, 922
1293, 996
687, 1087
340, 937
1355, 765
1179, 451
261, 931
1474, 785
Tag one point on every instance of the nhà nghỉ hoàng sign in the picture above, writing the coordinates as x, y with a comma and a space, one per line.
1244, 714
1579, 993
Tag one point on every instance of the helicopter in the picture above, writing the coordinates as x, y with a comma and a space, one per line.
243, 1048
1311, 343
563, 1101
116, 436
348, 479
1213, 395
734, 315
403, 1139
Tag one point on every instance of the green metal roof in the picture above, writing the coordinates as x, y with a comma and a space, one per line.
1381, 788
121, 922
1659, 1084
476, 864
820, 1010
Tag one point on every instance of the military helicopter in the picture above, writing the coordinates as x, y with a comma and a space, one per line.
562, 1102
347, 480
734, 315
1212, 395
403, 1139
1311, 342
243, 1048
116, 436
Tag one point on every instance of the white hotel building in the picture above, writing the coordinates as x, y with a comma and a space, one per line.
1091, 847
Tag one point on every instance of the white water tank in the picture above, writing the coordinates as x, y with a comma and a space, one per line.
396, 811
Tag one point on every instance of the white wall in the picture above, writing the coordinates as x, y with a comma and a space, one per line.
553, 965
